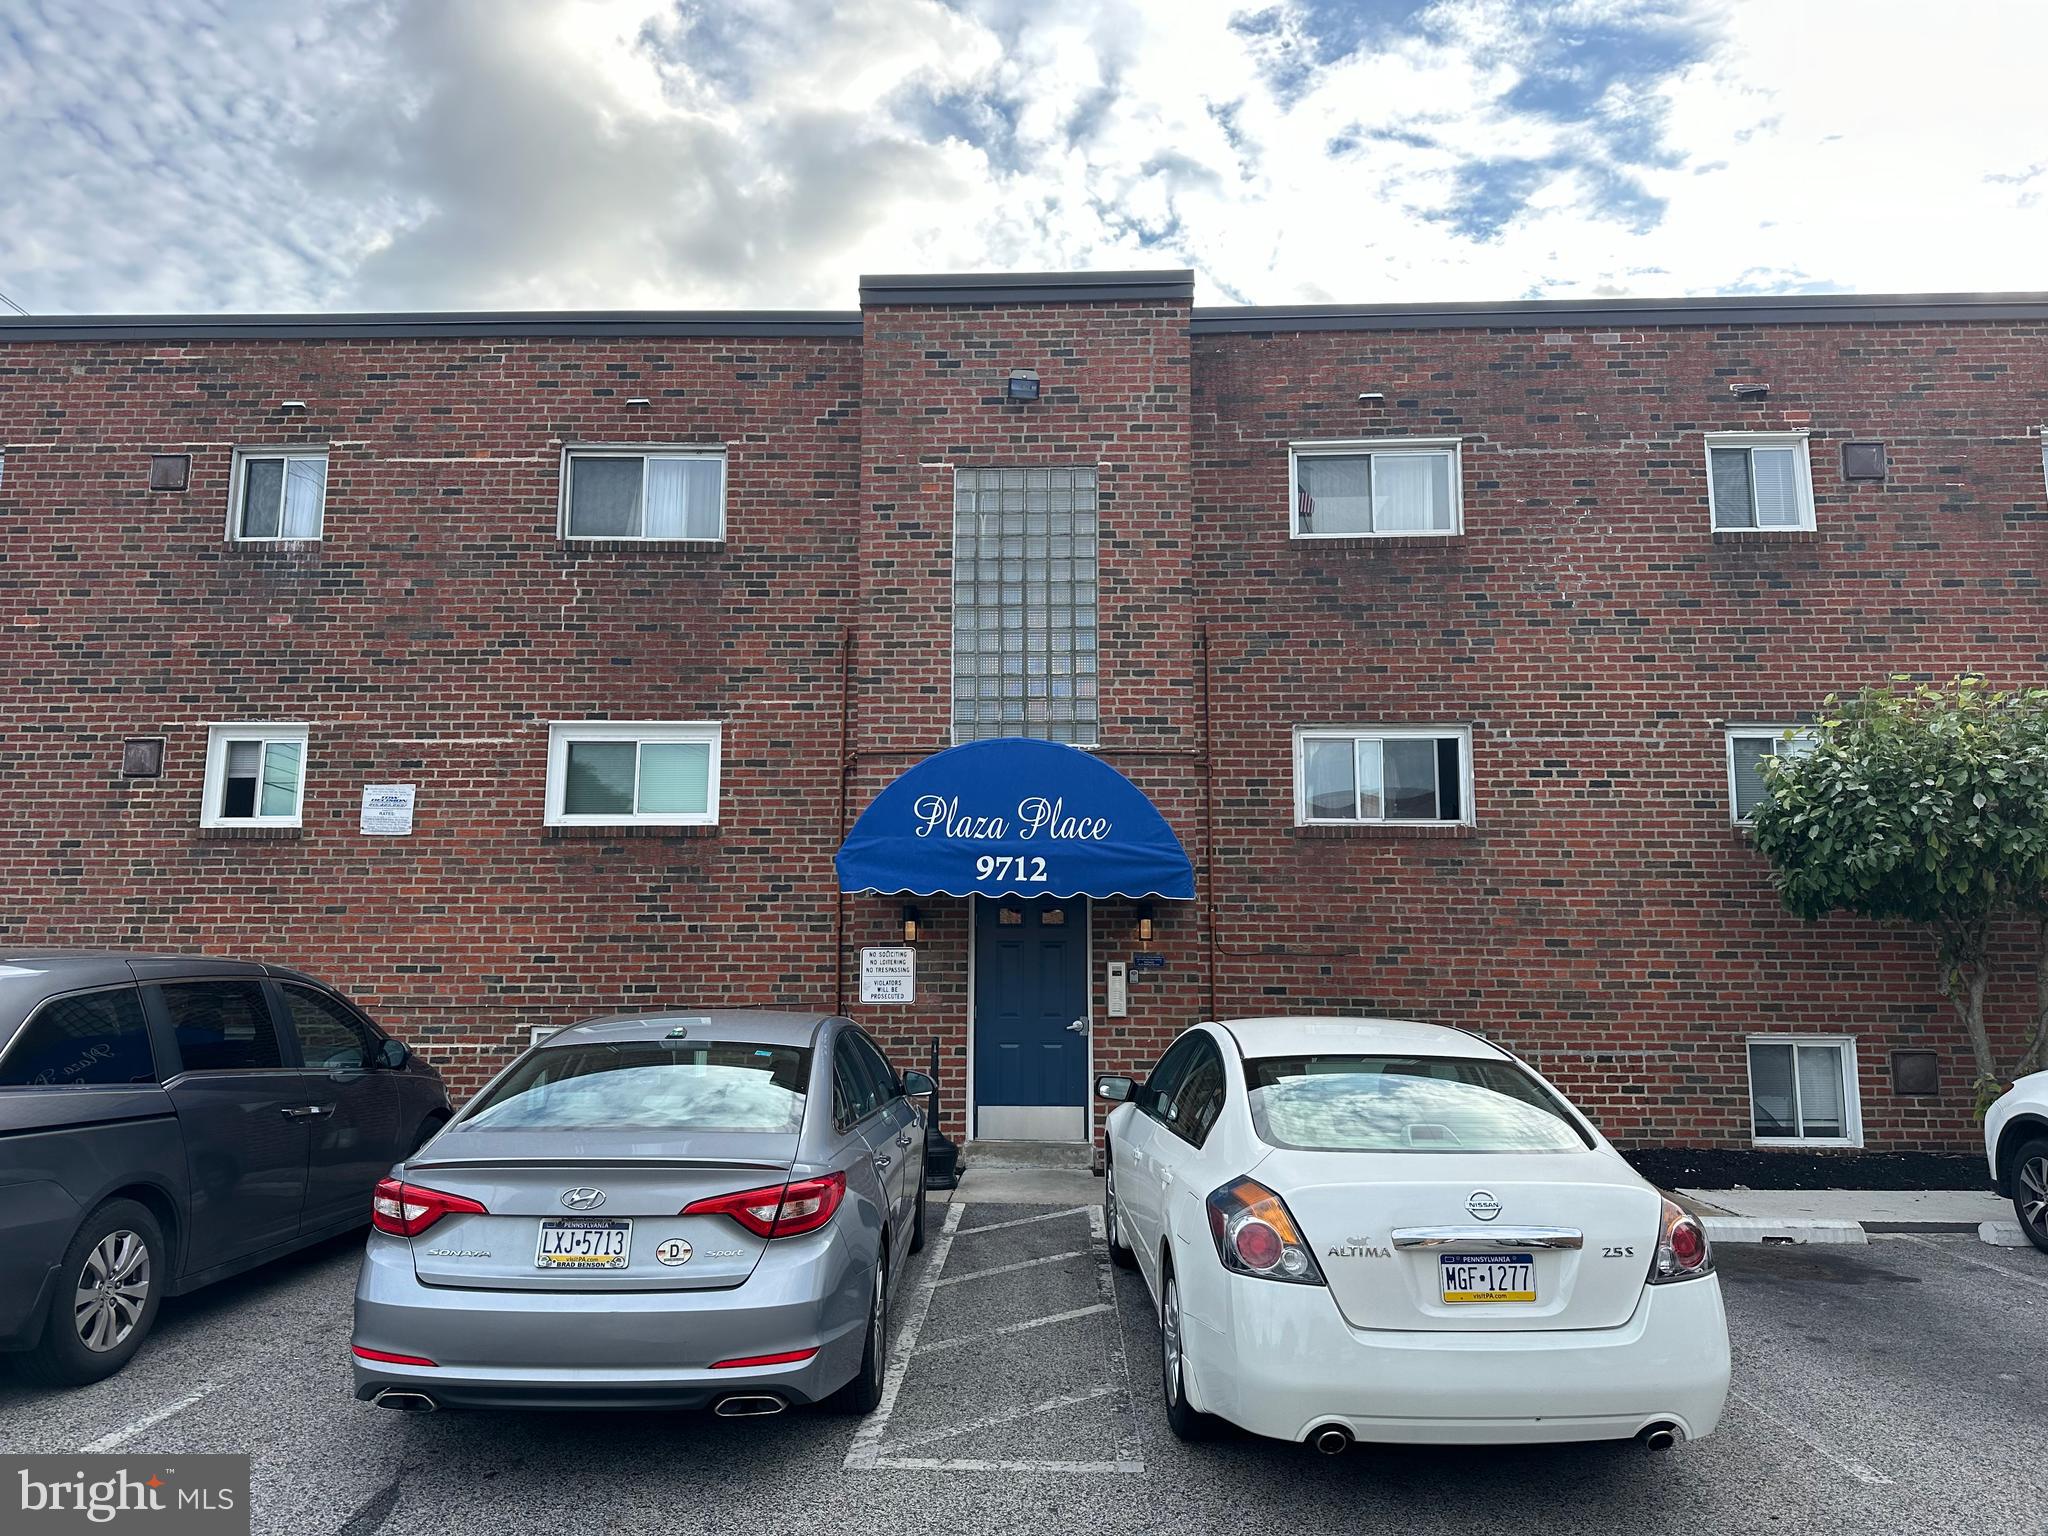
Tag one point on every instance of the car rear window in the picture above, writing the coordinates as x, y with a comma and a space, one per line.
680, 1085
1405, 1104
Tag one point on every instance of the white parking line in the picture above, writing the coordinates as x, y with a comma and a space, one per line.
1025, 1221
1962, 1258
1024, 1327
128, 1432
869, 1451
1848, 1464
1010, 1269
867, 1441
1007, 1416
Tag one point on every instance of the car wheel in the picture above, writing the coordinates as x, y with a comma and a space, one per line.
1121, 1253
2030, 1192
1183, 1420
917, 1223
863, 1394
108, 1288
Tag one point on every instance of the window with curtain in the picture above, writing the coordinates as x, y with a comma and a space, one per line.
1804, 1090
1759, 481
616, 494
1352, 490
1749, 748
279, 494
1372, 774
1024, 612
255, 775
656, 773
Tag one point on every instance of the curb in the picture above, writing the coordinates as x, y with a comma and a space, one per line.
1875, 1227
2003, 1234
1775, 1229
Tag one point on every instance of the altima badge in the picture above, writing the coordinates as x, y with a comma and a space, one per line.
584, 1199
1482, 1205
673, 1251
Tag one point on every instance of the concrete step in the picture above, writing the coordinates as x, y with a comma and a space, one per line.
1029, 1154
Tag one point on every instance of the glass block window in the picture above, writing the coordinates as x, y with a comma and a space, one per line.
1024, 610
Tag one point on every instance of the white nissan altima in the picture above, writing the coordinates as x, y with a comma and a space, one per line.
1385, 1231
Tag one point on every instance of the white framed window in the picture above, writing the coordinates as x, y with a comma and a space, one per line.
607, 773
637, 491
1748, 747
277, 494
255, 775
1759, 482
1365, 775
1803, 1091
1375, 488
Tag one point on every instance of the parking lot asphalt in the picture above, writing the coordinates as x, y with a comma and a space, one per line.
1898, 1387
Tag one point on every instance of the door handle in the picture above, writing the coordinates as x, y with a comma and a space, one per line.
905, 1139
304, 1112
882, 1164
1079, 1026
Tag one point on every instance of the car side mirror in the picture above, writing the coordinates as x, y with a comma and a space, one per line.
917, 1085
393, 1055
1117, 1089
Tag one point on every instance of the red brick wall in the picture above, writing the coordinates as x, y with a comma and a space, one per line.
1603, 916
429, 637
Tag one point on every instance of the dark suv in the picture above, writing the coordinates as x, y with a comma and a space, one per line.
169, 1120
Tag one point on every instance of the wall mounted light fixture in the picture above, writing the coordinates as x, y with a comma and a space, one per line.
1145, 925
291, 405
1749, 391
638, 402
1371, 395
910, 925
1022, 385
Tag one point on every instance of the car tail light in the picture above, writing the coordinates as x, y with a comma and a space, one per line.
386, 1358
1683, 1252
787, 1357
407, 1210
1256, 1235
778, 1210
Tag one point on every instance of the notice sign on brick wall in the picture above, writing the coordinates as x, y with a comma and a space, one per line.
387, 810
888, 974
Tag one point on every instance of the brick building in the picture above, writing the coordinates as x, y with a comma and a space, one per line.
1446, 639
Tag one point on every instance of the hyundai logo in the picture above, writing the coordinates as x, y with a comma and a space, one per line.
1480, 1203
584, 1199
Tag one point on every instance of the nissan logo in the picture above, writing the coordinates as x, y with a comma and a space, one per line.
1480, 1203
584, 1199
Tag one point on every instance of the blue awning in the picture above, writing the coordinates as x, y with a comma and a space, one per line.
1014, 817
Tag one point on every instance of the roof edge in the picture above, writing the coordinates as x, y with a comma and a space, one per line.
1530, 314
1025, 287
480, 325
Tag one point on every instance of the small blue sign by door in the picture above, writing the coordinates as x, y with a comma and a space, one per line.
1030, 993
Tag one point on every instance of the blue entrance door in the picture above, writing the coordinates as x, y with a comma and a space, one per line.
1030, 993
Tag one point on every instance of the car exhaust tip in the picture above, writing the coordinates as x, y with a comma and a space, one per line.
405, 1402
748, 1405
1659, 1437
1331, 1439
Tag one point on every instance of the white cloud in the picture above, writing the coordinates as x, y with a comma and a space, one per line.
306, 154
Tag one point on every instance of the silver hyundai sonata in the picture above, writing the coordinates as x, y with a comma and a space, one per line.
670, 1210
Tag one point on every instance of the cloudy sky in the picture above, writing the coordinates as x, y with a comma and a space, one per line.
188, 155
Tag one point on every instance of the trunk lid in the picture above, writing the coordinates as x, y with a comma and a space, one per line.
646, 1179
1354, 1208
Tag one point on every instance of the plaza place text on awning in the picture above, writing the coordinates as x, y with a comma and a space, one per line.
1014, 817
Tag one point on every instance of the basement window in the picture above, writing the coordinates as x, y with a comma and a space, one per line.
1759, 482
1803, 1091
1748, 748
1375, 489
1367, 775
667, 495
278, 494
255, 775
633, 773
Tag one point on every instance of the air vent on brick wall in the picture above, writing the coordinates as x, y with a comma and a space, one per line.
1863, 461
170, 471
